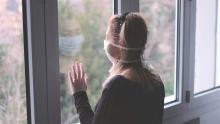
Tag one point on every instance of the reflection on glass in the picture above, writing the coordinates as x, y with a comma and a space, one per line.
161, 49
82, 27
12, 76
205, 46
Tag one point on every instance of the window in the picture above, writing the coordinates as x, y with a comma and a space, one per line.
82, 27
205, 47
162, 42
12, 72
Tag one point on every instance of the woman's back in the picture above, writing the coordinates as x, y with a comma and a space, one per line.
131, 103
123, 102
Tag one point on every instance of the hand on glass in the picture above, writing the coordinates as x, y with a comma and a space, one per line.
77, 77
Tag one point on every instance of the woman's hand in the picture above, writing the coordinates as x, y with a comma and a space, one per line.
77, 77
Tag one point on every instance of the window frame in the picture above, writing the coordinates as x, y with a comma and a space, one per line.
208, 97
26, 62
217, 44
41, 61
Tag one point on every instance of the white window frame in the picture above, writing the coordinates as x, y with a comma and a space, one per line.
210, 96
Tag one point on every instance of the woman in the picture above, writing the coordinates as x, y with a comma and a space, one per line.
132, 94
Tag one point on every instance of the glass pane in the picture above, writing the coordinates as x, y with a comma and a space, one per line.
82, 27
12, 75
218, 48
161, 50
205, 45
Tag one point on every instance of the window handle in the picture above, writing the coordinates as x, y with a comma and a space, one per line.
187, 96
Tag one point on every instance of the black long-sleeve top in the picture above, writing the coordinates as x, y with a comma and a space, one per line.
123, 102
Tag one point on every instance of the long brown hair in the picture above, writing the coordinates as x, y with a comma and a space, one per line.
130, 30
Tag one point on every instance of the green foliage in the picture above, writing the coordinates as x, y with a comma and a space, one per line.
169, 88
2, 53
12, 89
67, 23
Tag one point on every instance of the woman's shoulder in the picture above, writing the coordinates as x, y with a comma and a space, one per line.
113, 81
120, 83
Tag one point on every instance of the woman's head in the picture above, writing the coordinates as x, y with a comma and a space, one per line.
127, 35
126, 38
